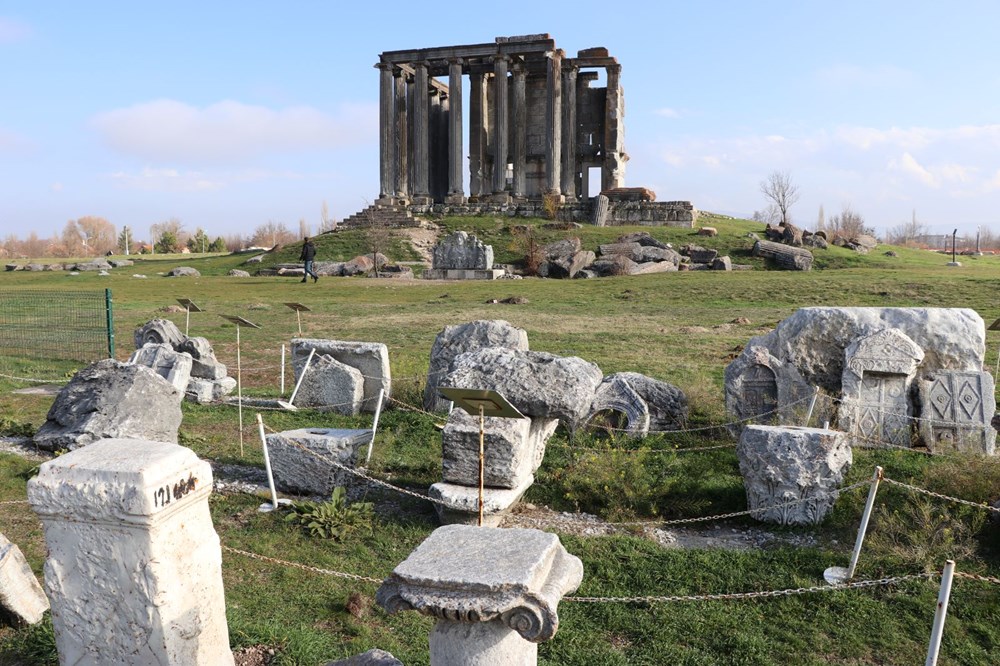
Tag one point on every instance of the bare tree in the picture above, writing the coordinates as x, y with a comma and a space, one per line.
98, 234
780, 191
271, 234
821, 219
848, 224
378, 234
326, 223
173, 229
906, 233
769, 215
304, 228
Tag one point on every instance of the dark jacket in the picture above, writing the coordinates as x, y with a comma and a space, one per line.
308, 252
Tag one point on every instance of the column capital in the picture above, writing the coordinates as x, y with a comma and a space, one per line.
500, 57
383, 65
456, 61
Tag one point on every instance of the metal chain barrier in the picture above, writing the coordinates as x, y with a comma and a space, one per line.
692, 449
981, 579
917, 489
304, 567
686, 521
34, 380
13, 502
753, 595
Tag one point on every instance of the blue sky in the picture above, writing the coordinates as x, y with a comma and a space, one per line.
228, 115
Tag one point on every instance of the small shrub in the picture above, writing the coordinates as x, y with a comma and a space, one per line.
550, 206
335, 519
12, 428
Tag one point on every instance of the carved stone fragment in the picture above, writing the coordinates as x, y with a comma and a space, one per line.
370, 358
301, 459
163, 360
22, 600
958, 409
782, 464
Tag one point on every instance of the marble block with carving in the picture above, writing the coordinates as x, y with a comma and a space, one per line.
505, 581
958, 408
788, 463
134, 570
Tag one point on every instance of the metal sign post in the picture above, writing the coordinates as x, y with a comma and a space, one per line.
189, 307
299, 309
484, 403
239, 321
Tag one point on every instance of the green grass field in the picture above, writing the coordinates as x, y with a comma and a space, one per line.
677, 327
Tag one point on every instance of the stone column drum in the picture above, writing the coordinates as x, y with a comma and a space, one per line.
134, 572
494, 592
786, 463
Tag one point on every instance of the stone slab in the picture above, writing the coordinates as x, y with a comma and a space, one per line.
300, 459
513, 449
370, 358
22, 600
462, 502
331, 386
957, 412
163, 360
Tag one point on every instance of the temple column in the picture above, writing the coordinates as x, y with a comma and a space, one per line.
402, 138
569, 138
386, 135
520, 152
421, 136
613, 172
478, 126
500, 63
553, 123
456, 194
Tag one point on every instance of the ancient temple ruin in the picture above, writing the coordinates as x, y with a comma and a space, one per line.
537, 124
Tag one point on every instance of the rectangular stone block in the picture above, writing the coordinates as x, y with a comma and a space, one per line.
134, 571
958, 409
370, 358
511, 449
21, 597
300, 459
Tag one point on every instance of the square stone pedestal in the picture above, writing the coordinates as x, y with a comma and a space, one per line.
300, 459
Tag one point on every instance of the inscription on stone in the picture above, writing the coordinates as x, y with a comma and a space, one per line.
163, 495
760, 392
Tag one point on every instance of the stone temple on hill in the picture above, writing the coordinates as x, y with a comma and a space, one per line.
541, 130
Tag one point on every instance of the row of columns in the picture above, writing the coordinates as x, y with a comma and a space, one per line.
490, 112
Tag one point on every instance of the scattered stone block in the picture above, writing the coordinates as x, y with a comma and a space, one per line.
158, 331
538, 384
235, 272
111, 399
163, 360
701, 255
722, 264
785, 256
708, 231
784, 464
456, 340
134, 569
204, 364
330, 385
22, 600
495, 592
462, 250
184, 271
958, 410
514, 449
300, 459
614, 265
370, 358
374, 657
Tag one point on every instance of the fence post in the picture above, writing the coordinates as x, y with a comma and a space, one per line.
837, 575
109, 309
942, 610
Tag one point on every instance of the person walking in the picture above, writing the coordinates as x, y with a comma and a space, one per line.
307, 256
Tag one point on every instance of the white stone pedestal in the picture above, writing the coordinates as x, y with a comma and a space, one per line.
495, 592
134, 572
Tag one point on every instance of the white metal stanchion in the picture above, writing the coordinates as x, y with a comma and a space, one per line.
942, 611
837, 575
275, 502
282, 371
291, 400
812, 406
378, 412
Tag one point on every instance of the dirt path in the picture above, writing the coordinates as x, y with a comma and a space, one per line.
423, 239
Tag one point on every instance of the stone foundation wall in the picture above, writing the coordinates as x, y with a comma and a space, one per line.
644, 213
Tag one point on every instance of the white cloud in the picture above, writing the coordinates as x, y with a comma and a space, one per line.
166, 180
13, 31
229, 132
910, 166
667, 112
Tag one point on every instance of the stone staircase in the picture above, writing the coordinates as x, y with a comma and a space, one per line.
390, 215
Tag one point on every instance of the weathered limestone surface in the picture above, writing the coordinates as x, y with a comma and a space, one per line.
164, 361
205, 365
330, 385
204, 391
374, 657
184, 271
878, 373
461, 502
134, 570
463, 250
111, 399
513, 448
958, 410
808, 350
370, 358
782, 464
22, 600
158, 331
300, 459
649, 405
468, 577
786, 256
456, 340
539, 384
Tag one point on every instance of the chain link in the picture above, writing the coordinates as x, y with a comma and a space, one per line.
304, 567
686, 521
982, 579
13, 502
570, 447
34, 380
752, 595
917, 489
